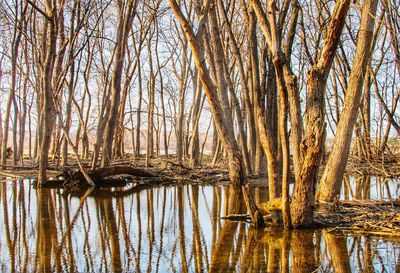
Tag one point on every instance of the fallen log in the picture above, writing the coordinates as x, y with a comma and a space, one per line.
255, 215
362, 203
102, 173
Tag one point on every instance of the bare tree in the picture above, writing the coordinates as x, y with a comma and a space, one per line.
126, 14
332, 177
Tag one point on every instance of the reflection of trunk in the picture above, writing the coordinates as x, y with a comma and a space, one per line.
10, 244
46, 233
253, 240
139, 221
197, 246
150, 226
70, 250
338, 251
215, 215
163, 206
113, 233
302, 250
368, 254
224, 246
181, 227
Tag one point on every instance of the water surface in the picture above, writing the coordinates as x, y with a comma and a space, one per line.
173, 229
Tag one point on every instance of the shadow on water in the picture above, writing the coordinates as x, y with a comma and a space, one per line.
174, 229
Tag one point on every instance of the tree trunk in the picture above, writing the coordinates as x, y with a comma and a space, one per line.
332, 177
125, 19
183, 78
236, 167
11, 95
47, 106
312, 145
150, 111
139, 110
197, 107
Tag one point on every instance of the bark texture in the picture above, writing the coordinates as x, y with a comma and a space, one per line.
332, 177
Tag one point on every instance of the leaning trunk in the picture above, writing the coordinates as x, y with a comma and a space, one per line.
334, 170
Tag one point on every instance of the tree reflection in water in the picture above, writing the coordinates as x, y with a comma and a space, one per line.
171, 229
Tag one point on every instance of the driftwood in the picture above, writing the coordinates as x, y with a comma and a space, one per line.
255, 215
103, 177
374, 217
120, 176
102, 173
373, 204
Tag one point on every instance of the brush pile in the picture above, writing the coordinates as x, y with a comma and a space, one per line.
374, 217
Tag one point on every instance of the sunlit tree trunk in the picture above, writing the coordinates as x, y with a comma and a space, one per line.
197, 107
332, 177
236, 167
47, 108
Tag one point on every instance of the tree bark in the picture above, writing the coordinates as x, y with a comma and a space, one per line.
47, 112
236, 167
332, 177
311, 147
11, 96
125, 20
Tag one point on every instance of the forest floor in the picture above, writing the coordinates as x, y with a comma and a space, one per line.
380, 217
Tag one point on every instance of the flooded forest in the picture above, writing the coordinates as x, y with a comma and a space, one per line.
200, 136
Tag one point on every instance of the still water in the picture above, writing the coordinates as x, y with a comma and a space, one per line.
172, 229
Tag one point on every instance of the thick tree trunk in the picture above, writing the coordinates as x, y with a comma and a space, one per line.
312, 146
332, 177
302, 206
47, 106
310, 150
